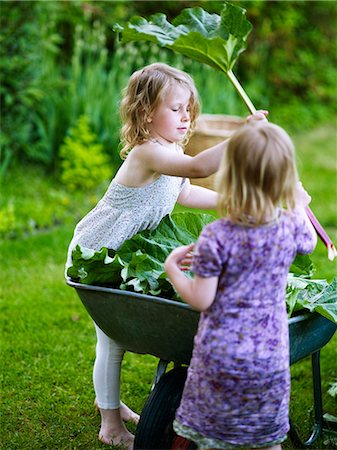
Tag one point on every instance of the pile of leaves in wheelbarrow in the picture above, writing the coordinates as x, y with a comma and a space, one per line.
138, 266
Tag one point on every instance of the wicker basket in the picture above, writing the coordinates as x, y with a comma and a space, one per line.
210, 130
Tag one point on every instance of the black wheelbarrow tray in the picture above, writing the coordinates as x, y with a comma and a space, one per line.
165, 329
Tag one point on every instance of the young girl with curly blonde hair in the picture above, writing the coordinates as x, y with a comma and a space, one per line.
159, 110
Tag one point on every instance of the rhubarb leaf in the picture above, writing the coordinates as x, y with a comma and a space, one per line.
323, 302
303, 266
90, 267
138, 265
314, 295
208, 38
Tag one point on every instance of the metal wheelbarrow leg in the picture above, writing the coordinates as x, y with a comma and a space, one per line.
308, 337
318, 407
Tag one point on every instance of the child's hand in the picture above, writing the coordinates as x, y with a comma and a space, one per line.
259, 115
180, 257
302, 198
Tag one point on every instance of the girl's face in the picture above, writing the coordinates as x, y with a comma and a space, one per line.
171, 119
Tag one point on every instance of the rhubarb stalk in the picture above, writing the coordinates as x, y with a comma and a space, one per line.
332, 253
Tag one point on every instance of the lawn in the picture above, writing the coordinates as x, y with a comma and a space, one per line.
48, 339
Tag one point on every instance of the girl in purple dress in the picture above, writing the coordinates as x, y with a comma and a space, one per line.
237, 389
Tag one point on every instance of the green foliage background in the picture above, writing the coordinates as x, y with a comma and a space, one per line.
83, 163
60, 60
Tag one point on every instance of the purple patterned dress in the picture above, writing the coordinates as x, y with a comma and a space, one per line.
237, 388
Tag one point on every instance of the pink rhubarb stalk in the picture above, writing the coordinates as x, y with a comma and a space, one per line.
332, 253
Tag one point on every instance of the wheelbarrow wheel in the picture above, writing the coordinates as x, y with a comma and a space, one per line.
155, 427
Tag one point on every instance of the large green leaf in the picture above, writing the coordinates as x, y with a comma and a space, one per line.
90, 267
138, 264
314, 295
208, 38
302, 265
323, 302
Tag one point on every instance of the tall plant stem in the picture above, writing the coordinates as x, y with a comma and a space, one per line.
318, 227
241, 92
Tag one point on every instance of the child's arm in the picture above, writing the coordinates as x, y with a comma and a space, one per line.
302, 200
197, 197
198, 292
156, 158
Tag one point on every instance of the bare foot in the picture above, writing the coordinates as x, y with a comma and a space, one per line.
126, 440
113, 431
128, 415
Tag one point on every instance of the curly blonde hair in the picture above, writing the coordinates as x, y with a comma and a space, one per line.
258, 173
146, 88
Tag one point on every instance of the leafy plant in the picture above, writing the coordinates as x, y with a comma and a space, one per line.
314, 295
83, 164
138, 265
208, 38
95, 84
18, 89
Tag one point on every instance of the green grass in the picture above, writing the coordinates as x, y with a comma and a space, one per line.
48, 339
47, 354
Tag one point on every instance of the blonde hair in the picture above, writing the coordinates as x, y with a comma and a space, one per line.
258, 173
146, 88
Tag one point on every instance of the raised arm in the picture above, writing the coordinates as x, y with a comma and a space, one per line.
160, 159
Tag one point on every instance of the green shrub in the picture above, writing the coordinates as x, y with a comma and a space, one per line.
18, 90
95, 83
83, 163
60, 60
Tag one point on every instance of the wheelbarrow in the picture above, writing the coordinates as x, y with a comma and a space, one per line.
166, 330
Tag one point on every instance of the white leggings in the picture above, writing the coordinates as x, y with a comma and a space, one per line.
107, 370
